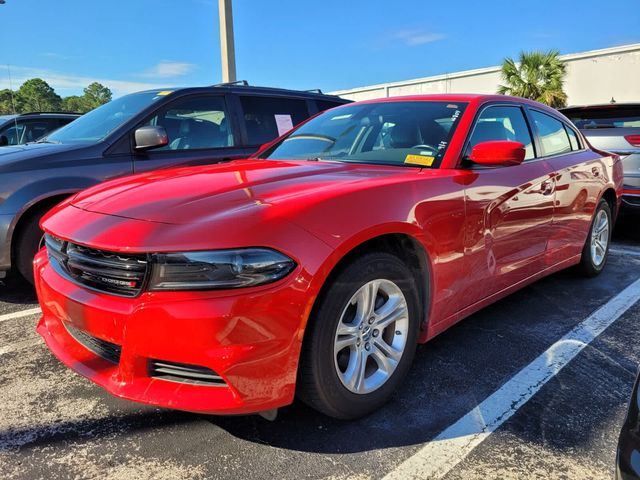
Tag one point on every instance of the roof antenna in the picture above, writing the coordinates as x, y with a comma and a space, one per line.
613, 100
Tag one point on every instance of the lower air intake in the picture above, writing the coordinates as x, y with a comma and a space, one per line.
184, 373
107, 350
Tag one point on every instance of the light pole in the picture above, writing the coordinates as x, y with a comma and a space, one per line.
227, 48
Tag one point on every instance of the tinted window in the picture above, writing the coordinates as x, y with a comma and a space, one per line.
605, 117
195, 122
552, 133
326, 105
28, 130
14, 133
502, 123
392, 133
266, 118
573, 139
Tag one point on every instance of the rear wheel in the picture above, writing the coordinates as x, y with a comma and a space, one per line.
29, 239
361, 340
596, 248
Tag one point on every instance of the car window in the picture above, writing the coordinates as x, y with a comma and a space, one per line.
501, 122
36, 129
606, 116
266, 118
573, 139
13, 132
552, 133
327, 104
195, 123
403, 133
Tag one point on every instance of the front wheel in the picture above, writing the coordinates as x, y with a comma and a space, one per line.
361, 340
596, 248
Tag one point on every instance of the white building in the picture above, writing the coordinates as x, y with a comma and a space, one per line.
596, 76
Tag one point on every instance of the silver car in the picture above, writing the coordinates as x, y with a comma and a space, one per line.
614, 127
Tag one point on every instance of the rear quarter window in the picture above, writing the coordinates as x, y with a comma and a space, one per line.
552, 134
266, 118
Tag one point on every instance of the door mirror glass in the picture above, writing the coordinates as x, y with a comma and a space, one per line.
498, 153
149, 137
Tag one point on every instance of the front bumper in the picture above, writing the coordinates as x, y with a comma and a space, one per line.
251, 340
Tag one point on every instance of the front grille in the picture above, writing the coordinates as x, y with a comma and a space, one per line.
110, 272
107, 350
184, 373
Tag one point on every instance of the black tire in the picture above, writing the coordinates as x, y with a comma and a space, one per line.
28, 238
588, 266
318, 383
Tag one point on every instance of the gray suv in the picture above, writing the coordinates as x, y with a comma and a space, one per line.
614, 127
136, 133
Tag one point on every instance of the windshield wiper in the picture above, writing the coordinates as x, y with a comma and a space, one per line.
44, 140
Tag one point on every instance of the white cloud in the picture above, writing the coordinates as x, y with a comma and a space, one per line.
69, 84
168, 69
412, 38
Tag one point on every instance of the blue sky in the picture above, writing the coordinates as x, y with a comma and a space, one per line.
131, 45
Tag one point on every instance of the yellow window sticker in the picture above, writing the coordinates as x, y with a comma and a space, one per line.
421, 160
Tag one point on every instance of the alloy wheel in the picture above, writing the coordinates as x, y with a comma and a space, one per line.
371, 336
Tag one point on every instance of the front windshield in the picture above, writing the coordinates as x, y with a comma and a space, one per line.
98, 123
411, 133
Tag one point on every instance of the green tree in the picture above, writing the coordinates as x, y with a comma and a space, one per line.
37, 96
538, 76
74, 103
95, 95
10, 102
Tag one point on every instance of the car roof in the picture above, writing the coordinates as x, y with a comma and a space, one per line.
241, 88
49, 114
477, 98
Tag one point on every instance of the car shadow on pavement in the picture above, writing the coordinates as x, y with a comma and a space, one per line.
47, 435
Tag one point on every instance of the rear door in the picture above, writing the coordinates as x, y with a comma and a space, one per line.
201, 130
579, 177
509, 209
264, 118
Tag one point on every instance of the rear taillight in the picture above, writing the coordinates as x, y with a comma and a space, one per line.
633, 140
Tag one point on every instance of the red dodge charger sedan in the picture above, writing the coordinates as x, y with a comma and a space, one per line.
315, 267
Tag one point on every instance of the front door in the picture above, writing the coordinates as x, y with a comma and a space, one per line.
509, 209
200, 131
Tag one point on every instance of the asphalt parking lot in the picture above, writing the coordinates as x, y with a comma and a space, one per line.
56, 424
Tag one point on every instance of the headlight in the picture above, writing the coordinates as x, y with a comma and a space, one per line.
218, 269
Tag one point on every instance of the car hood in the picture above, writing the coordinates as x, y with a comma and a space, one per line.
267, 188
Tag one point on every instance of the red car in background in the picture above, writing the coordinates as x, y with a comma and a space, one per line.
316, 267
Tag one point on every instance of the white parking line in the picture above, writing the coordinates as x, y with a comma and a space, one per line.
20, 314
452, 445
625, 251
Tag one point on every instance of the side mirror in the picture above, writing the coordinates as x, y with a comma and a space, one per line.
4, 141
498, 153
150, 137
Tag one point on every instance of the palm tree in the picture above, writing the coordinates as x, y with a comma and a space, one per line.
538, 76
